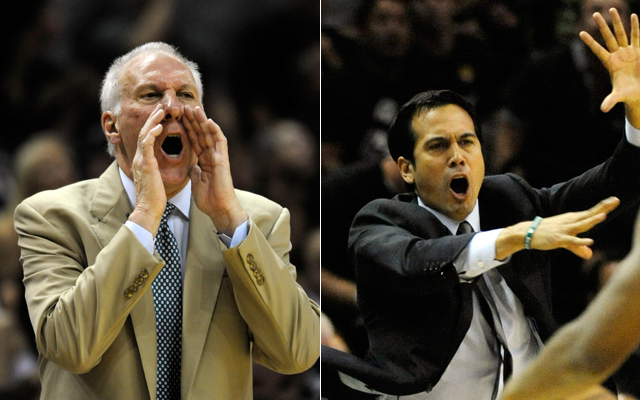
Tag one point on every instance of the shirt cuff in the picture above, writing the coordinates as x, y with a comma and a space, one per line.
239, 235
632, 133
479, 256
144, 236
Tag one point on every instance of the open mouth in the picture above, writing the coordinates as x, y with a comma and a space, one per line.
172, 146
460, 185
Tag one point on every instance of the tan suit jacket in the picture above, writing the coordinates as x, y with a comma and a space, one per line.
95, 343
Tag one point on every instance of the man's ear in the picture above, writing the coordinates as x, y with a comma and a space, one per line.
110, 128
406, 170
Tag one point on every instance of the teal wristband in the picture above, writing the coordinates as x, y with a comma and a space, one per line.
529, 236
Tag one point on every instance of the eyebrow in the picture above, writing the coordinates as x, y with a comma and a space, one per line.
155, 87
468, 134
447, 139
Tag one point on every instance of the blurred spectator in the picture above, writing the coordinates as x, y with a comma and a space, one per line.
364, 80
275, 71
557, 97
43, 162
330, 337
288, 175
344, 192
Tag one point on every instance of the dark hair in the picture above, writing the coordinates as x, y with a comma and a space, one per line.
402, 138
366, 8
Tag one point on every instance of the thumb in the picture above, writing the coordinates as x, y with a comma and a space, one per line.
195, 174
611, 100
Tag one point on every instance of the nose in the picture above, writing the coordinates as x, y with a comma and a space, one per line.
172, 107
457, 156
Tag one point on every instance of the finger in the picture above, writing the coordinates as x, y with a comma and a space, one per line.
216, 136
588, 223
198, 127
605, 206
195, 173
618, 27
608, 37
584, 252
596, 48
154, 119
146, 143
193, 136
635, 31
611, 100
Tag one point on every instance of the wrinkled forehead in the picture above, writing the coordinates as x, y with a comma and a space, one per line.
155, 68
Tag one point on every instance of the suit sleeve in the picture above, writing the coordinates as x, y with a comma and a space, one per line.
77, 310
403, 248
284, 322
618, 176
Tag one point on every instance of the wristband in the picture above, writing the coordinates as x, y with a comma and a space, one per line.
529, 236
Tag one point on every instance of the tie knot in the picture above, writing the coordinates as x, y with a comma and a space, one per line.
168, 210
464, 227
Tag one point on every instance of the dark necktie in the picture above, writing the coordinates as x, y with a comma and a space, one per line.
490, 313
167, 298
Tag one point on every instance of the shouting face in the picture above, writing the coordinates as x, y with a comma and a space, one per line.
149, 80
448, 166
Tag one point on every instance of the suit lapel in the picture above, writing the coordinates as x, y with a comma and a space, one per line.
204, 271
110, 206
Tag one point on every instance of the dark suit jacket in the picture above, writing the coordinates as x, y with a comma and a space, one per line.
416, 310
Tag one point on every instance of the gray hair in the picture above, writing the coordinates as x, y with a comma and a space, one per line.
111, 92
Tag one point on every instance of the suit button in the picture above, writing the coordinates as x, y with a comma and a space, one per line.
144, 274
260, 280
128, 293
138, 280
256, 273
249, 258
253, 265
133, 287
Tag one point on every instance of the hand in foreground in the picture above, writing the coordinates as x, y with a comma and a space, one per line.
211, 181
556, 232
151, 199
622, 60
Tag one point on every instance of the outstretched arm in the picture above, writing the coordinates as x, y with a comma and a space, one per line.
585, 352
622, 59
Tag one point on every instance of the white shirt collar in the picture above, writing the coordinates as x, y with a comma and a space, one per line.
452, 224
182, 200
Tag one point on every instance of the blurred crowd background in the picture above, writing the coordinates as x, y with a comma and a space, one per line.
260, 62
536, 88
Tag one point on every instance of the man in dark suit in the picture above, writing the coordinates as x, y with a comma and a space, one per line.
451, 313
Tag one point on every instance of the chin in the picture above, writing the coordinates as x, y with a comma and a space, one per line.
174, 179
461, 212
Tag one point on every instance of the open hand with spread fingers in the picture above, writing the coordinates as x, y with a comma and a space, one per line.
559, 231
622, 59
211, 181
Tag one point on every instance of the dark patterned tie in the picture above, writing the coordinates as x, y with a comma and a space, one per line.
490, 313
167, 298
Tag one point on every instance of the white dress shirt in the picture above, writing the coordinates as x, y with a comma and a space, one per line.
178, 222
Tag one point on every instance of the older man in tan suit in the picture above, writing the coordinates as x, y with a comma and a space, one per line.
98, 290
